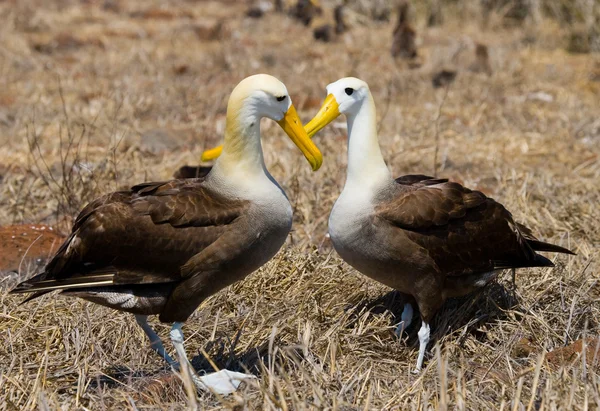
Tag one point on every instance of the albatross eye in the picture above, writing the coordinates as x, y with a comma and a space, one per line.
280, 98
349, 91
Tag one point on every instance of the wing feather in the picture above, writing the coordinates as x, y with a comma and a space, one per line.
462, 230
141, 236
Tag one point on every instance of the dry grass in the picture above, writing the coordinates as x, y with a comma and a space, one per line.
75, 111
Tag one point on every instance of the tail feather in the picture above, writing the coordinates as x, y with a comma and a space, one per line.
96, 280
34, 295
552, 248
541, 261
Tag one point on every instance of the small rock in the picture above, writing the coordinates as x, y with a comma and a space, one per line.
323, 33
255, 12
306, 10
181, 69
443, 78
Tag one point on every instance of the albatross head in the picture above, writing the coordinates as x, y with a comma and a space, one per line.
260, 96
345, 96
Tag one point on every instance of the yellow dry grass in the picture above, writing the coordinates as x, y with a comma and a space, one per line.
83, 83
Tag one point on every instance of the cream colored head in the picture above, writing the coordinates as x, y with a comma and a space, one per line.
260, 95
253, 98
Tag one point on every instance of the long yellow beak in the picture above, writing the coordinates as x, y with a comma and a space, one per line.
328, 112
292, 125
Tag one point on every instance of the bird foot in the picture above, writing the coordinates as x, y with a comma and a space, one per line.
222, 382
400, 328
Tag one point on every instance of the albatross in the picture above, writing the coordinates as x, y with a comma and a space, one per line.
429, 238
161, 248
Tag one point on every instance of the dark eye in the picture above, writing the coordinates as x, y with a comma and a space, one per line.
349, 91
280, 98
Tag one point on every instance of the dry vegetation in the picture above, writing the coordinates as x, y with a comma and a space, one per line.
98, 95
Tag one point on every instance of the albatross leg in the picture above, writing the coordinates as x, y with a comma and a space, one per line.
155, 341
423, 341
222, 382
405, 319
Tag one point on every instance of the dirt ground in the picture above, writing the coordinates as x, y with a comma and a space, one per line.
100, 95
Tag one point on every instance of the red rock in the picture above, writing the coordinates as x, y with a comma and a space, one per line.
26, 243
569, 355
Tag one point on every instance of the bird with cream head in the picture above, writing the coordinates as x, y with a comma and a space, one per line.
162, 248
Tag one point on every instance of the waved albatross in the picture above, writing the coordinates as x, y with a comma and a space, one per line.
429, 238
162, 248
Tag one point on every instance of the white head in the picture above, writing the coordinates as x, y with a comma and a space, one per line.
367, 171
345, 96
349, 92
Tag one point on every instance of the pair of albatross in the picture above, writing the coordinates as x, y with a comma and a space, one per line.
162, 248
429, 238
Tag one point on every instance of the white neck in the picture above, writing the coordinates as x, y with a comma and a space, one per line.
366, 167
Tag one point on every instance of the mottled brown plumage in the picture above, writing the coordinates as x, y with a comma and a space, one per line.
154, 233
460, 236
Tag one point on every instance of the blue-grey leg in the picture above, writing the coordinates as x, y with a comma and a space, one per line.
189, 376
405, 319
155, 341
221, 382
423, 341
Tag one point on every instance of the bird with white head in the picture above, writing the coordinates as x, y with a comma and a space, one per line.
426, 237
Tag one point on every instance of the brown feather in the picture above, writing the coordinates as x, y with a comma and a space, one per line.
141, 237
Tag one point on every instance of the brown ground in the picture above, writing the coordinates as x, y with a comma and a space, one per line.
98, 95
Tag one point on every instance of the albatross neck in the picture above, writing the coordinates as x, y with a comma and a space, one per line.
366, 167
242, 155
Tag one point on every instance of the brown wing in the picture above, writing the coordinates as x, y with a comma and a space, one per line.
462, 230
140, 236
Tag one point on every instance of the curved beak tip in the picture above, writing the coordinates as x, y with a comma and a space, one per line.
292, 125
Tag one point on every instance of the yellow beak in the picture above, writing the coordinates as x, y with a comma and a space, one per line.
329, 111
291, 124
212, 154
